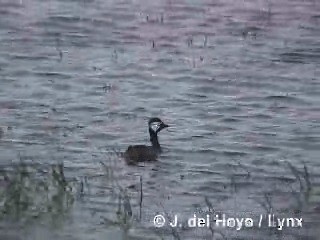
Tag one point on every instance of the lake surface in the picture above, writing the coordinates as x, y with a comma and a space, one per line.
238, 81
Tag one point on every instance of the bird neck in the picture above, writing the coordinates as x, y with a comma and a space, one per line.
154, 140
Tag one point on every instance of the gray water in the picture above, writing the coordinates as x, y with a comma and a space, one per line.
238, 81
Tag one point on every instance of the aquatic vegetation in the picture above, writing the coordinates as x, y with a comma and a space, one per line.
30, 191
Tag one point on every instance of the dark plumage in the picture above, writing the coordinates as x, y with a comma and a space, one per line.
143, 153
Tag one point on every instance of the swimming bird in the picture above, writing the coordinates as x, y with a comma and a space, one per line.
143, 153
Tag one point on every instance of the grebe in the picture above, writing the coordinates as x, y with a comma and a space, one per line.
143, 153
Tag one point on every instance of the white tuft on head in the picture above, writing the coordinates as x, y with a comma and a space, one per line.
155, 126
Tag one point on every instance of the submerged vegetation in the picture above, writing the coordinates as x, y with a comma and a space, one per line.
33, 192
29, 191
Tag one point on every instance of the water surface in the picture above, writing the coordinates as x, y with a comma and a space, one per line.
237, 80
